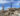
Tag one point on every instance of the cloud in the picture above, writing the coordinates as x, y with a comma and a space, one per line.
4, 1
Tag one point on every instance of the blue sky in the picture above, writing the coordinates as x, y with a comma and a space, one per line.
8, 5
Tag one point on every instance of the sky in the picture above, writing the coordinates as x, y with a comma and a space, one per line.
7, 4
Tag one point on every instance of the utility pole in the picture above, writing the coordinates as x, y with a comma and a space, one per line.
19, 5
11, 4
3, 7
